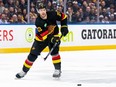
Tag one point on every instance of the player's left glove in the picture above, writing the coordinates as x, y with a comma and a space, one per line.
64, 30
55, 39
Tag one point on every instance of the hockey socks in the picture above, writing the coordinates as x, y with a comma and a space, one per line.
28, 64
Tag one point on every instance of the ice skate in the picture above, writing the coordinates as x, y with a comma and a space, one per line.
20, 75
57, 73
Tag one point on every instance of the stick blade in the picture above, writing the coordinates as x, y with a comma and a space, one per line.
45, 58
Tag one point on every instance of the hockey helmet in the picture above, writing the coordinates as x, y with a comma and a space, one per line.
40, 5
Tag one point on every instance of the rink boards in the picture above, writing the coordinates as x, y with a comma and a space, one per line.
19, 38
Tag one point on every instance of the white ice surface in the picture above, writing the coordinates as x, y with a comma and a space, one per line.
89, 68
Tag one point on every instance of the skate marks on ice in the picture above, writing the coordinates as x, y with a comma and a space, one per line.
79, 67
90, 77
91, 67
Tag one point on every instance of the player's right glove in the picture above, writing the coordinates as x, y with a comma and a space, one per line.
64, 30
55, 39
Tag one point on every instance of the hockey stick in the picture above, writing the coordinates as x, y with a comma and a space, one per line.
52, 48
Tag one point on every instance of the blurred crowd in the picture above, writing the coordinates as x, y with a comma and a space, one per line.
78, 11
85, 11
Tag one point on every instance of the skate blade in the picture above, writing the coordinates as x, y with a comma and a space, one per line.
17, 78
56, 77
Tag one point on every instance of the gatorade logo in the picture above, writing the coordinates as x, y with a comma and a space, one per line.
29, 35
68, 38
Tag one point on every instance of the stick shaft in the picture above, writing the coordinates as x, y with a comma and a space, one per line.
52, 49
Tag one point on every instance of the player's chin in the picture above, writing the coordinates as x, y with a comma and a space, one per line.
43, 16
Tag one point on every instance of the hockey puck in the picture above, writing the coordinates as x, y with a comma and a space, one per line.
78, 84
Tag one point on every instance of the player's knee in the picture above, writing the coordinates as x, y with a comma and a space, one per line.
55, 51
32, 57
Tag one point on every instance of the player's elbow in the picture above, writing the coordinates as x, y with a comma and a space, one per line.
64, 17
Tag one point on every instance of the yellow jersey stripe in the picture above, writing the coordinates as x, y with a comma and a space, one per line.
42, 38
64, 17
63, 26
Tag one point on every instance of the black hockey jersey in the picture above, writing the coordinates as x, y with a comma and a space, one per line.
52, 18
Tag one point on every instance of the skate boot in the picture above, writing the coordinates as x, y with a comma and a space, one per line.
20, 75
57, 73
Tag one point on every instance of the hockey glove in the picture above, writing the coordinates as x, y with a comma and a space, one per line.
64, 30
55, 39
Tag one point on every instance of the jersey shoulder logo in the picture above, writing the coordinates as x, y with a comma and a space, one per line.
45, 25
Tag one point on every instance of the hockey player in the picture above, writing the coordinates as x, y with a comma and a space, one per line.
46, 35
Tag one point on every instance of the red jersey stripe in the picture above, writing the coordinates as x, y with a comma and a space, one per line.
39, 37
44, 33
